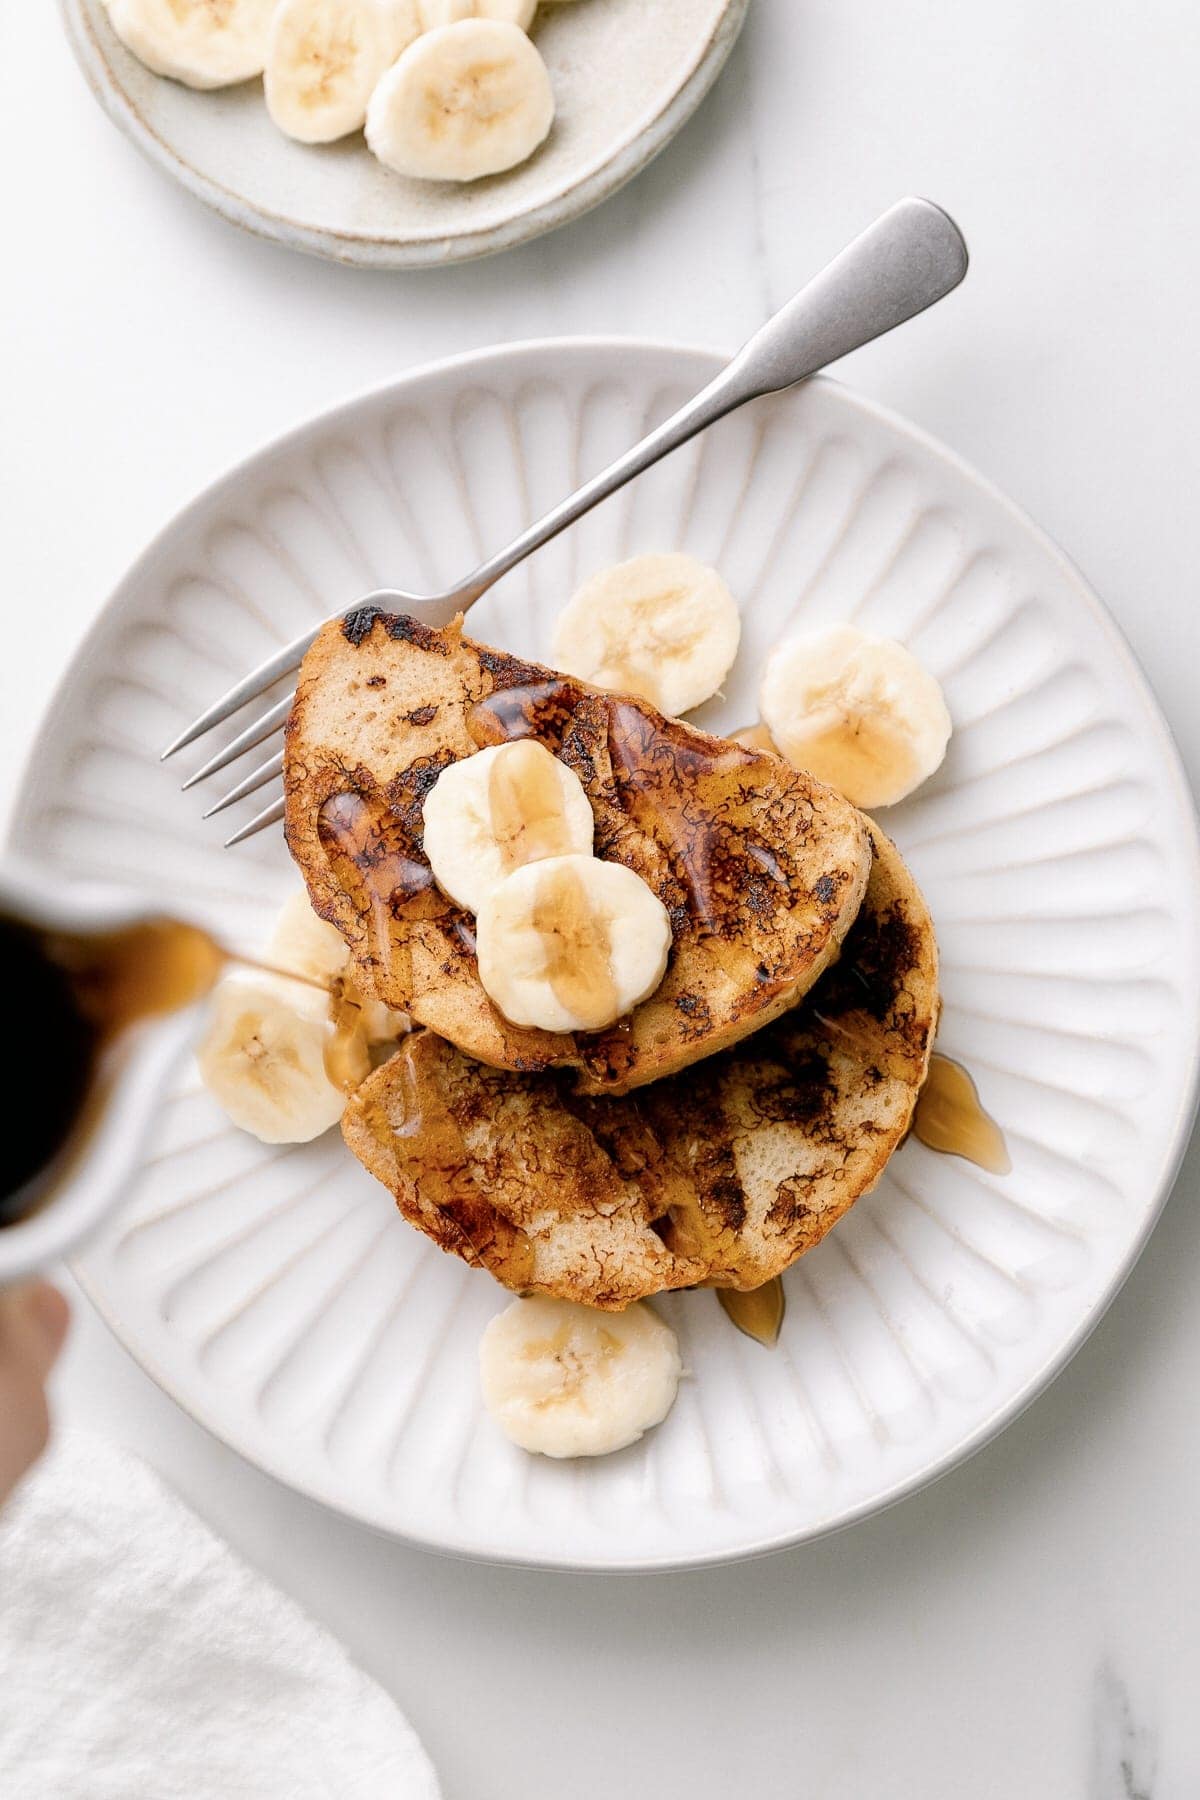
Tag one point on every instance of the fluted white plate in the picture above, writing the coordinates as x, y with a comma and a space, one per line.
277, 1294
626, 75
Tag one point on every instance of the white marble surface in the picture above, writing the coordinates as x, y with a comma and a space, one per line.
1027, 1627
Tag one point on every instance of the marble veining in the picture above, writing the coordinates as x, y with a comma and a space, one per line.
1124, 1750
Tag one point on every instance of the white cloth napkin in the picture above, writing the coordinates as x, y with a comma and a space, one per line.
140, 1660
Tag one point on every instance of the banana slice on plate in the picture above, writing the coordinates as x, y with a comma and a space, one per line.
495, 811
203, 43
858, 712
563, 1380
305, 944
466, 100
263, 1058
663, 627
571, 944
324, 60
449, 12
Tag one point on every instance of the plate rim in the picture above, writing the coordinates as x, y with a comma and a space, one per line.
1175, 1146
358, 249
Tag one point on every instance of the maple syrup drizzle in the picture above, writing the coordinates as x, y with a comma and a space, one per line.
268, 968
950, 1118
346, 1055
372, 842
578, 953
525, 804
370, 856
540, 709
758, 1313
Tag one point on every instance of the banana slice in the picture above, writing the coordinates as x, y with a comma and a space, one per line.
263, 1058
858, 712
203, 43
571, 944
324, 59
449, 12
495, 811
305, 944
466, 100
563, 1380
663, 627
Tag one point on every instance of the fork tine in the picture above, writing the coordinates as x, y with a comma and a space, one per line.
263, 727
270, 815
249, 688
256, 779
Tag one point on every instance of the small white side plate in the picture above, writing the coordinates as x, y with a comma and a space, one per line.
626, 76
277, 1294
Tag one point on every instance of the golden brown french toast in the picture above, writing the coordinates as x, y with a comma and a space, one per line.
722, 1175
761, 869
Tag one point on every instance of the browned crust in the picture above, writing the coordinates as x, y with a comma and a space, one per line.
499, 1169
761, 868
725, 1175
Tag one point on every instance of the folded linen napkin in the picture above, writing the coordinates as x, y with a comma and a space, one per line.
141, 1660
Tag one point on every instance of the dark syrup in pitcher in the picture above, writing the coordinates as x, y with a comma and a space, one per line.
73, 995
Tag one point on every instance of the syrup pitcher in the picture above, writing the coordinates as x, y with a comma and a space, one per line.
103, 989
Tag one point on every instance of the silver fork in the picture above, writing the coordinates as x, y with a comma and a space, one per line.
911, 256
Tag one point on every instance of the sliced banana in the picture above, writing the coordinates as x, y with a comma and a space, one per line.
571, 944
324, 60
305, 944
263, 1058
663, 627
466, 100
564, 1380
858, 712
203, 43
404, 21
495, 811
449, 12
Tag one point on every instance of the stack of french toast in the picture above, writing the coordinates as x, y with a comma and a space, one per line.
718, 1131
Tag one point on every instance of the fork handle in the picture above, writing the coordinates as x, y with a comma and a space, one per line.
913, 255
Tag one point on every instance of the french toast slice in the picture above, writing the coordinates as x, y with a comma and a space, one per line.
722, 1176
761, 869
552, 1192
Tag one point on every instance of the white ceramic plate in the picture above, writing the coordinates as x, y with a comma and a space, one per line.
276, 1293
626, 76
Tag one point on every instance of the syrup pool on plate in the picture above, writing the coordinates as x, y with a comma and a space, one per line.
950, 1118
758, 1313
